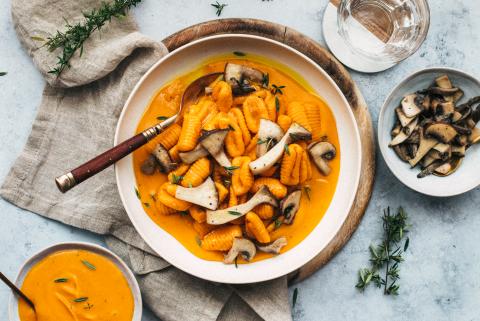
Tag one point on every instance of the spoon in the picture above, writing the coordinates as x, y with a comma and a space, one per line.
17, 290
94, 166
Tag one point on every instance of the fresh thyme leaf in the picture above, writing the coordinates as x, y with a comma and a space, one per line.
295, 297
37, 38
239, 53
61, 280
307, 189
137, 193
89, 265
146, 204
73, 38
184, 213
190, 185
287, 150
265, 80
278, 223
234, 213
277, 104
230, 169
152, 195
198, 240
219, 8
277, 89
176, 179
162, 117
82, 299
236, 264
3, 73
387, 255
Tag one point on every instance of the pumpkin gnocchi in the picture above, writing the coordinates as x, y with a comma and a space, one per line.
219, 133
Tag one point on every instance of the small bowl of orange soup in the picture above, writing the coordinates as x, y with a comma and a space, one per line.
77, 282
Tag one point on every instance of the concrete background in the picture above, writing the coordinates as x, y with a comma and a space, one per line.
440, 279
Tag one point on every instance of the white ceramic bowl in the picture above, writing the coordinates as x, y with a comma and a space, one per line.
467, 176
188, 58
25, 268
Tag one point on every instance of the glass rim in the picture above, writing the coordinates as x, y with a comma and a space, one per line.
374, 58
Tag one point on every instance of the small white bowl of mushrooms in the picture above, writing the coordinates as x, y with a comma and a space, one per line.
429, 132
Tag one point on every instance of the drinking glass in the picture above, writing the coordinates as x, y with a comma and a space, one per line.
383, 31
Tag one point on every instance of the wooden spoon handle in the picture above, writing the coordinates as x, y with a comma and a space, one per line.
92, 167
16, 290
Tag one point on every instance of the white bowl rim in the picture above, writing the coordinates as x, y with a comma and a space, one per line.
381, 120
98, 249
319, 69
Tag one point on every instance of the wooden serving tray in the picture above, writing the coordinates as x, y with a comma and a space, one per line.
342, 78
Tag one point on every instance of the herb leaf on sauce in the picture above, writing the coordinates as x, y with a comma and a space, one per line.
61, 280
89, 265
82, 299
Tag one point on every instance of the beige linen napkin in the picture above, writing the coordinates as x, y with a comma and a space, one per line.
76, 120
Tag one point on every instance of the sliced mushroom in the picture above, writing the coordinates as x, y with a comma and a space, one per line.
269, 133
405, 133
427, 160
461, 140
402, 152
444, 132
239, 76
456, 96
456, 116
204, 195
442, 91
322, 153
474, 137
444, 150
226, 215
404, 120
191, 156
448, 168
290, 205
163, 158
458, 151
444, 110
149, 165
274, 247
265, 162
396, 130
213, 141
410, 107
429, 169
243, 247
426, 144
443, 82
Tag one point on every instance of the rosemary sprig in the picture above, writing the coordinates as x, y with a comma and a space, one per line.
219, 7
277, 104
61, 280
230, 169
294, 298
89, 265
265, 80
82, 299
3, 73
387, 255
234, 213
73, 38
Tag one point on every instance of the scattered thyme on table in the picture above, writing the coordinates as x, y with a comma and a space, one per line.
387, 255
72, 39
219, 6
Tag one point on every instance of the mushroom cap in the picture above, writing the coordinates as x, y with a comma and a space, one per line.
213, 141
444, 132
226, 215
290, 206
191, 156
274, 247
205, 195
238, 77
269, 133
243, 247
322, 152
163, 158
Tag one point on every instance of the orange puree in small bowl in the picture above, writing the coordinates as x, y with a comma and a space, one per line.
76, 285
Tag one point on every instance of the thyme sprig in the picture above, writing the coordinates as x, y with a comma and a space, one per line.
73, 38
219, 6
387, 255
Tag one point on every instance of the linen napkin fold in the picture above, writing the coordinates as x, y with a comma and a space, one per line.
75, 122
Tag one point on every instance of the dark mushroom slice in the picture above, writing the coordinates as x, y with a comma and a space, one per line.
461, 130
165, 163
410, 107
444, 151
414, 137
443, 82
429, 169
426, 144
396, 130
289, 206
402, 152
191, 156
405, 133
240, 76
274, 247
441, 131
428, 159
268, 160
448, 168
243, 247
404, 120
444, 110
456, 96
213, 141
226, 215
321, 153
269, 133
442, 91
458, 151
205, 195
461, 140
149, 165
456, 116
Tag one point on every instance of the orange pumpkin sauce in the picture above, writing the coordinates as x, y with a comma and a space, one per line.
166, 103
62, 287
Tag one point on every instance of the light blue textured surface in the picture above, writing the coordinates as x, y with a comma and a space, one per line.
439, 279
